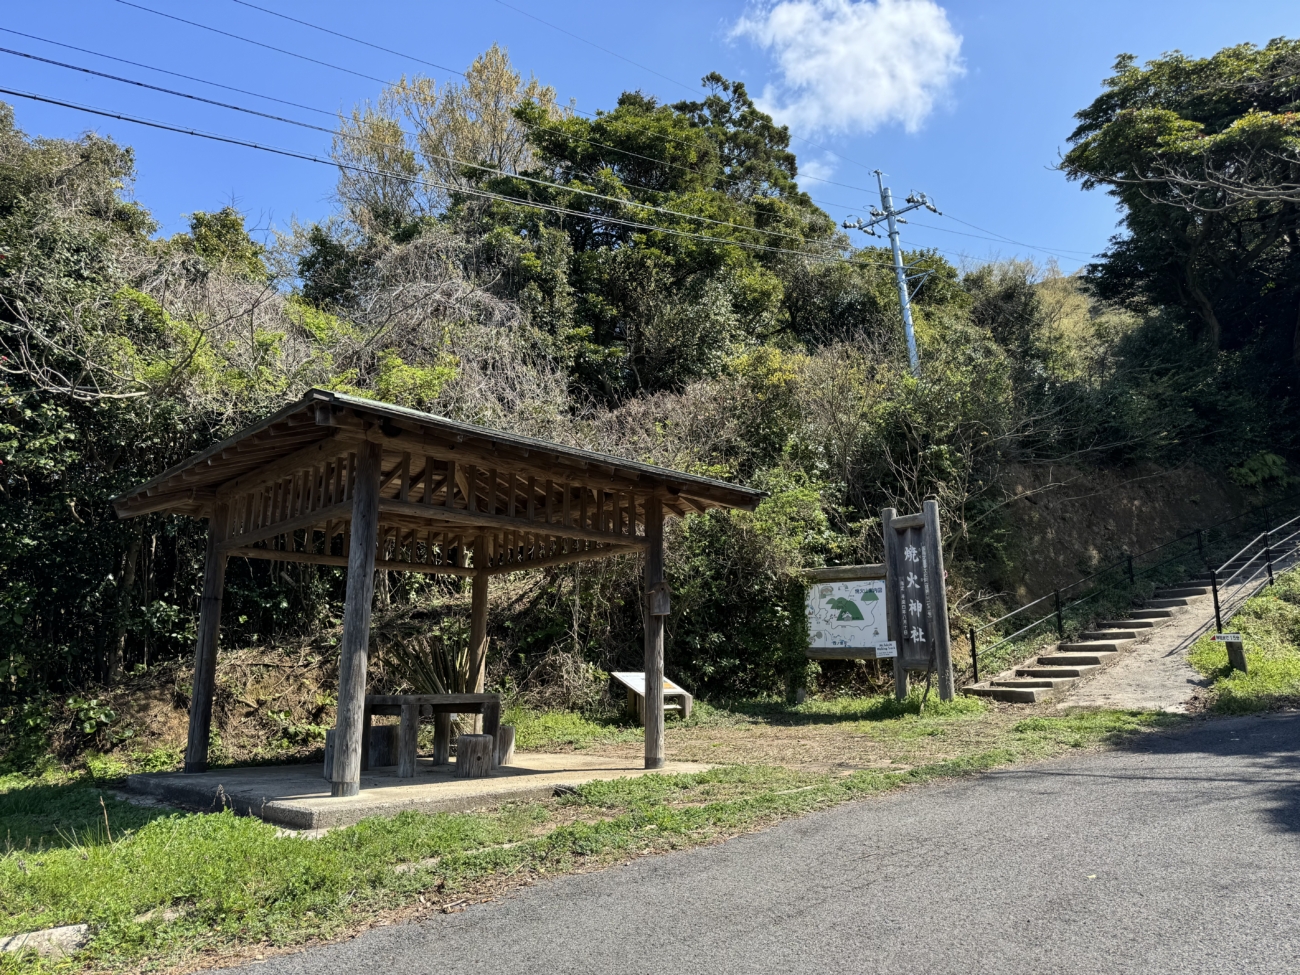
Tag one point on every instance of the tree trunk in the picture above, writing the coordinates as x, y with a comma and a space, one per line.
125, 583
1204, 307
1295, 341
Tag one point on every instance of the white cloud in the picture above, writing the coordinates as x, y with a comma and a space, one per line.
855, 65
816, 168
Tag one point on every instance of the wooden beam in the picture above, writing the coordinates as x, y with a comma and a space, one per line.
329, 448
602, 551
889, 521
318, 517
161, 502
434, 514
500, 457
317, 558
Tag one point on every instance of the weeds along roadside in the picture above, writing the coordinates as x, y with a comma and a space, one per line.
174, 888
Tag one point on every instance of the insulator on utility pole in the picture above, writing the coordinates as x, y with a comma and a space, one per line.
890, 216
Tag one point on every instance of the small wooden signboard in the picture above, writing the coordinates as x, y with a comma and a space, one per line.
918, 601
848, 613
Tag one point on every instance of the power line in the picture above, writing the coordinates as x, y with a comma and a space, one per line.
996, 240
451, 159
680, 84
174, 74
557, 131
269, 47
348, 37
1020, 243
483, 194
412, 57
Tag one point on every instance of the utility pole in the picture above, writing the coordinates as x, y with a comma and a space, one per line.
893, 218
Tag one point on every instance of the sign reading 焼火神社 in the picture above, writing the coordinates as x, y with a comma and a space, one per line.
916, 594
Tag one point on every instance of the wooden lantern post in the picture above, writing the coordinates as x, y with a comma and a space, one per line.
346, 777
655, 610
205, 647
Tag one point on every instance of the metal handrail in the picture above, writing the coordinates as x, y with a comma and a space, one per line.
1270, 554
1127, 561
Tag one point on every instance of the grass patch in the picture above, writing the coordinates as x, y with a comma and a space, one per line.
542, 730
1270, 627
169, 887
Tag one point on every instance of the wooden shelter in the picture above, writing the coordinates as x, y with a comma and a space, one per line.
339, 480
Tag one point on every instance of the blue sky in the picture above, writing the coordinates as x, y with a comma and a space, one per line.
970, 102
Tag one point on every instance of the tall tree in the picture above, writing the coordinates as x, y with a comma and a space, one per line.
1202, 155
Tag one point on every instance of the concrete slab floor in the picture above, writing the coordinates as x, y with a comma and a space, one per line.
298, 796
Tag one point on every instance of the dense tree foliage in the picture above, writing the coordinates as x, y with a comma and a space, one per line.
1203, 156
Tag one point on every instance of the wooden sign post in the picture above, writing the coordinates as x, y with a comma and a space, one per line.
918, 600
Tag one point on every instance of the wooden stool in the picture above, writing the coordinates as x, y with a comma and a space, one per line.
474, 755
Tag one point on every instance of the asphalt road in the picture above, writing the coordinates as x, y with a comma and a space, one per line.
1181, 854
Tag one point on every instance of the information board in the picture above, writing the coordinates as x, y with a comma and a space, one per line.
848, 615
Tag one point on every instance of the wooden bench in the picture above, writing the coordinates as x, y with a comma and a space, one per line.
674, 698
410, 708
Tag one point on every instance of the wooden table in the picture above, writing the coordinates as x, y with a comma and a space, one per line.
412, 707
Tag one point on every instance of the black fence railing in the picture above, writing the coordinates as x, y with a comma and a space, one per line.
1252, 567
1199, 549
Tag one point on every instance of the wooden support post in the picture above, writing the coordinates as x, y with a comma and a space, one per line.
441, 738
354, 652
478, 612
939, 604
654, 635
205, 647
408, 732
887, 516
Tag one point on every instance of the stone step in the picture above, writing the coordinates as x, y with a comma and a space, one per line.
1128, 624
1092, 646
1078, 659
1012, 695
1183, 591
1114, 636
1169, 603
1155, 614
1032, 680
1034, 670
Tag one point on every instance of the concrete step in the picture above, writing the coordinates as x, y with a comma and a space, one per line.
1155, 614
1114, 636
1112, 625
1183, 591
1077, 659
1169, 603
1019, 694
1092, 646
1035, 670
1022, 681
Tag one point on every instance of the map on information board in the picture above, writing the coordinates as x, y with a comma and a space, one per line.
847, 614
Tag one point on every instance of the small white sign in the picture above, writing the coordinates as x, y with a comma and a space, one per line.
889, 648
1226, 638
